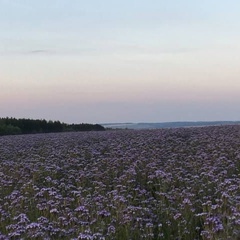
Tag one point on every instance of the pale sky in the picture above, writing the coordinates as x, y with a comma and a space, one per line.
120, 61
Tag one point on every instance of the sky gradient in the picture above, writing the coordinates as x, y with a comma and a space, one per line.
120, 61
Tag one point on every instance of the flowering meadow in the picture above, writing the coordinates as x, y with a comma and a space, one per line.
125, 184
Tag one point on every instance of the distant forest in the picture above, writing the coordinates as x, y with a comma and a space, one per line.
13, 126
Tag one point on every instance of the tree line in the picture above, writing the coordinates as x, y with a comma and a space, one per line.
13, 126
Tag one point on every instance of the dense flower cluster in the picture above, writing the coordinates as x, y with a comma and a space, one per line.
125, 184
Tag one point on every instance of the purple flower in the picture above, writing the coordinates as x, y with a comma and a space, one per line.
111, 229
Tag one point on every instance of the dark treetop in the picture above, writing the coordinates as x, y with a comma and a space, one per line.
9, 126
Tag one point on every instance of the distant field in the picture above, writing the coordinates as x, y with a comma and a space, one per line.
148, 184
167, 124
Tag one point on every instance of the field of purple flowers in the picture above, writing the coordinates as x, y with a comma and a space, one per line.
125, 184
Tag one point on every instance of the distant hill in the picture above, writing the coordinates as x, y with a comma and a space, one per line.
166, 124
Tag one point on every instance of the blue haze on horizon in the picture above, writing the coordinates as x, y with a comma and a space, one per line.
120, 61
